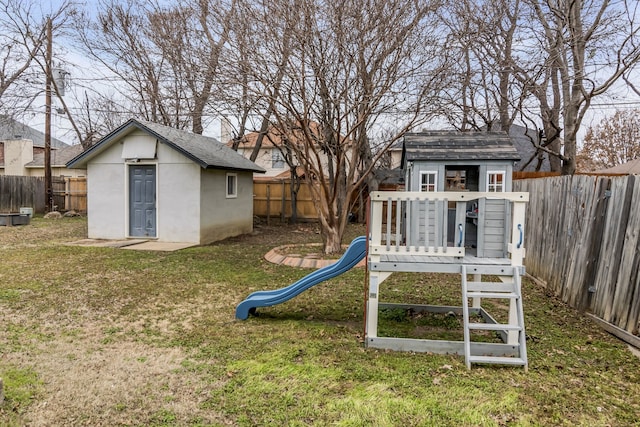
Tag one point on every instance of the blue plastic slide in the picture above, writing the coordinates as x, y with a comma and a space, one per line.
354, 253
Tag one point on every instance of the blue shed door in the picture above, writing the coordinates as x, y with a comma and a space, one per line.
142, 201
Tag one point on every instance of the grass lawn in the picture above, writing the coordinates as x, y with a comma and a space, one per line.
102, 336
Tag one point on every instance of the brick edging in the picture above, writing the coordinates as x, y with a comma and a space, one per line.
276, 258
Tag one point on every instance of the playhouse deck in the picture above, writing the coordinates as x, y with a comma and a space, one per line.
439, 264
413, 232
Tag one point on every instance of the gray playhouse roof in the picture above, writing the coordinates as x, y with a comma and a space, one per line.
13, 129
203, 150
447, 145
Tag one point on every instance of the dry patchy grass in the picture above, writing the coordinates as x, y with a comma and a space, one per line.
102, 336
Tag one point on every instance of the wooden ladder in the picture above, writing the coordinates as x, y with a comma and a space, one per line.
509, 289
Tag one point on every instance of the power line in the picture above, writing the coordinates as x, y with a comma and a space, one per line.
615, 104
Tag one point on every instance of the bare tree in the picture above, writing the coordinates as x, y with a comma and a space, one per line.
98, 115
191, 38
485, 93
120, 42
165, 58
344, 72
22, 43
614, 141
587, 46
542, 62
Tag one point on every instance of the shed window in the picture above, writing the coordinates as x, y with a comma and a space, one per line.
495, 181
428, 180
232, 185
277, 161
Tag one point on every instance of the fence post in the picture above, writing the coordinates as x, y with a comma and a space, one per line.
268, 204
67, 195
283, 204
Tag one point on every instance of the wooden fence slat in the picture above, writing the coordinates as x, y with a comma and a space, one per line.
619, 206
629, 259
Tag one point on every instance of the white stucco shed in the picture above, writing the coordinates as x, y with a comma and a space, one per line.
146, 180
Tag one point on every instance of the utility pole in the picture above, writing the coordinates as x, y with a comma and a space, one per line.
47, 123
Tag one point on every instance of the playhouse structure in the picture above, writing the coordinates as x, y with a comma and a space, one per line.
457, 216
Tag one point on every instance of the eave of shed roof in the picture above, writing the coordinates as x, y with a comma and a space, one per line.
203, 150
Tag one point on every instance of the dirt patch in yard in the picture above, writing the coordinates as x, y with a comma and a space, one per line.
91, 373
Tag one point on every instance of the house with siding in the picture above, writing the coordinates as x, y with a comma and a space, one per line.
524, 140
21, 144
59, 159
273, 152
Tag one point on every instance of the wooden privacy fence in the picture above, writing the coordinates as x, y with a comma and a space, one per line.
21, 191
583, 240
70, 193
272, 198
28, 191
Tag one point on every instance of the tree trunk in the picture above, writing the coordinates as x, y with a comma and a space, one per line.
570, 149
294, 186
569, 166
264, 128
333, 243
331, 232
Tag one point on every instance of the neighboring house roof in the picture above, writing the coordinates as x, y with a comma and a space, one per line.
249, 140
631, 167
389, 176
523, 139
203, 150
272, 137
59, 157
13, 129
446, 145
282, 176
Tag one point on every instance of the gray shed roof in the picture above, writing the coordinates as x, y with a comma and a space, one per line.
447, 145
203, 150
13, 129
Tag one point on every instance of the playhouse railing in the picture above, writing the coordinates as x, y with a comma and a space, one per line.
417, 223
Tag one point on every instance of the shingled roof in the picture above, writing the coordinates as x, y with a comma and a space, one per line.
59, 157
13, 129
203, 150
445, 145
631, 167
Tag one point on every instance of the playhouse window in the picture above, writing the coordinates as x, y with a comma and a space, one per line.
428, 181
277, 161
495, 181
232, 185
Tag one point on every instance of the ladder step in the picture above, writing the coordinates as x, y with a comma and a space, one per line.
490, 287
498, 360
494, 327
492, 295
